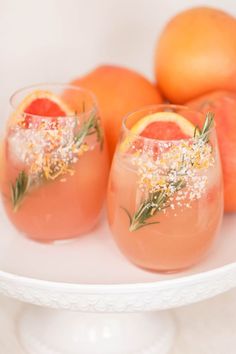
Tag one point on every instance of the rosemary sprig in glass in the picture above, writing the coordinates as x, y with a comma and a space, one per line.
90, 127
154, 203
159, 200
22, 183
19, 189
203, 133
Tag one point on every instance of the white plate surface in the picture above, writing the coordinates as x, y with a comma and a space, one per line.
94, 258
90, 274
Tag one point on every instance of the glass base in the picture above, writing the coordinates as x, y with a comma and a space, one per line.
171, 270
65, 240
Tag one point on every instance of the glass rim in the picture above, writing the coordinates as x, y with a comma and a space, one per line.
58, 85
159, 106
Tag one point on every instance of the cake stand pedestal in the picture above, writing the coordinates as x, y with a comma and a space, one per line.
57, 332
90, 300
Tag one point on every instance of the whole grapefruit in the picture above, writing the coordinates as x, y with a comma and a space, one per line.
223, 104
119, 91
196, 54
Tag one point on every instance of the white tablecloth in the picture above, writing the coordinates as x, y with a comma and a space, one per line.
205, 328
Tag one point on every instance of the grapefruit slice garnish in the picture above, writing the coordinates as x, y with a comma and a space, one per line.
159, 126
43, 104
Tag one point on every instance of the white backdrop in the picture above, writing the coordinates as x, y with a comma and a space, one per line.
57, 40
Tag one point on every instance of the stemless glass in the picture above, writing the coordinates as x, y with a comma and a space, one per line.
54, 168
165, 197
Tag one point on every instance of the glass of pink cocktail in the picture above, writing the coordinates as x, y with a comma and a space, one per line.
54, 162
165, 194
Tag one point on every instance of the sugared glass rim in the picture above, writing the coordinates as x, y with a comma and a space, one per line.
159, 107
46, 86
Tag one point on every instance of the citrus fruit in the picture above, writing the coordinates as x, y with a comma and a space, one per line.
42, 104
223, 104
164, 126
195, 54
118, 91
160, 126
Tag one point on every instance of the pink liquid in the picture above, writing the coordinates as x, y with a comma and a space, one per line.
63, 208
182, 236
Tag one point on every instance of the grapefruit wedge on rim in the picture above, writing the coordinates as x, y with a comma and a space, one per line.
160, 126
42, 104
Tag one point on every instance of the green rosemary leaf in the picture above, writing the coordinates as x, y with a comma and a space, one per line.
99, 132
128, 214
139, 226
196, 131
19, 189
89, 127
154, 203
203, 133
179, 185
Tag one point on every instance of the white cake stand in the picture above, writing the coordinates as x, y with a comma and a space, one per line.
92, 301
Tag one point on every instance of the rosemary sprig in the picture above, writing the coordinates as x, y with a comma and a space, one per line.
203, 133
90, 127
19, 189
154, 203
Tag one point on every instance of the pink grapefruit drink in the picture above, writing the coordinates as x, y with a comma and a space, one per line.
54, 164
165, 196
